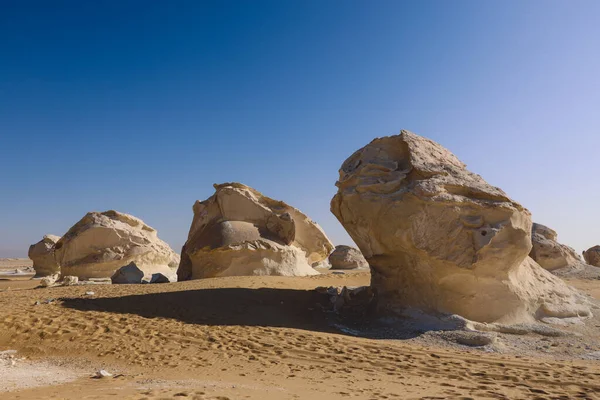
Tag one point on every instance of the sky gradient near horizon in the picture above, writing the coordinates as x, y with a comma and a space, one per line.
140, 106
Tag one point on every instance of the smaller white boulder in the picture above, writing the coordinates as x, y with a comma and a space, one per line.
128, 274
132, 274
49, 280
592, 256
346, 257
70, 280
42, 255
550, 254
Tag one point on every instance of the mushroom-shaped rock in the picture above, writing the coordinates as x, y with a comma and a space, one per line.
550, 254
238, 231
346, 257
42, 255
592, 256
103, 242
441, 239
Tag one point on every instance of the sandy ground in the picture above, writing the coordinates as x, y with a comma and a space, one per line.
263, 338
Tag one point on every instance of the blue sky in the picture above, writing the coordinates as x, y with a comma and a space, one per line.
140, 106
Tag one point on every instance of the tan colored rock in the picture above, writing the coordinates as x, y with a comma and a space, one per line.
42, 255
69, 280
49, 280
440, 239
103, 242
592, 256
239, 231
550, 254
346, 257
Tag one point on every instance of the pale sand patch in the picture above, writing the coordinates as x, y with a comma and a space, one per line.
17, 373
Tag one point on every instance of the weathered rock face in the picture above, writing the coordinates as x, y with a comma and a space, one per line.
592, 256
129, 274
439, 238
101, 243
346, 257
42, 256
550, 254
238, 231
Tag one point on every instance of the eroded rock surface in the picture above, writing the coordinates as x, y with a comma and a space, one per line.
42, 255
550, 254
592, 256
439, 238
346, 257
103, 242
238, 231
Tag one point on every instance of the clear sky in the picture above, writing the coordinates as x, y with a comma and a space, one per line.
140, 106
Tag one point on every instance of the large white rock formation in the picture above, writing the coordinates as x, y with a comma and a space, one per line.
42, 255
103, 242
440, 239
239, 231
550, 254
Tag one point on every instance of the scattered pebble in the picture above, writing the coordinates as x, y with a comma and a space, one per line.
102, 374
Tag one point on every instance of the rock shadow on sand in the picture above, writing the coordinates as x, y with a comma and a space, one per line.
219, 306
264, 307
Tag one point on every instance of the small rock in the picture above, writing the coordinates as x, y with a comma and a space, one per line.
102, 374
160, 278
89, 293
49, 281
346, 257
130, 273
70, 280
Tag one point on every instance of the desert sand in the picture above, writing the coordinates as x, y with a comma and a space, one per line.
263, 338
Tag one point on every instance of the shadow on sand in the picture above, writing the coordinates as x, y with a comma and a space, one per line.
223, 306
266, 307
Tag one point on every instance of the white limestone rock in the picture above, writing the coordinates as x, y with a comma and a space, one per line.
103, 242
42, 255
238, 231
550, 254
440, 239
346, 257
592, 256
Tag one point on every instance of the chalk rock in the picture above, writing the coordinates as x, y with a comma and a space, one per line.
131, 274
239, 231
592, 256
101, 243
128, 274
161, 278
102, 374
346, 257
550, 254
49, 280
69, 280
42, 255
441, 239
